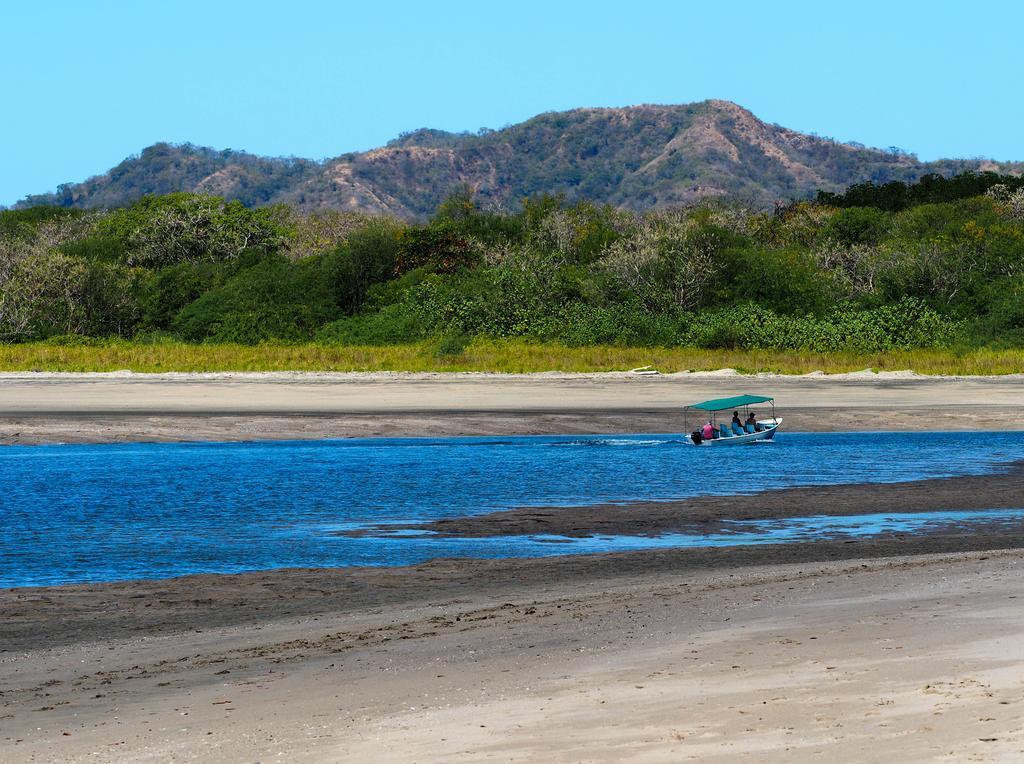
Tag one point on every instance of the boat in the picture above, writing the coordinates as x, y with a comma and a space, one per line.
727, 434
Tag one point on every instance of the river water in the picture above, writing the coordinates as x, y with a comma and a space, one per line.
77, 513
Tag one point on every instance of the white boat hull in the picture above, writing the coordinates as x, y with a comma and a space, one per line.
770, 427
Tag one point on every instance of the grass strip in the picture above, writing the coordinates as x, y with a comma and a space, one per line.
507, 356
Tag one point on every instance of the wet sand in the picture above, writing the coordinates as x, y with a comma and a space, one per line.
96, 408
704, 514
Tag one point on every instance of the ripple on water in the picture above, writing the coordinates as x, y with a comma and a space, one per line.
107, 512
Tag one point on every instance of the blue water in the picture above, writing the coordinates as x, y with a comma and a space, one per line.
76, 513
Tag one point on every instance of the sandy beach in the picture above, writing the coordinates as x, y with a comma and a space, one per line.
861, 659
83, 408
896, 647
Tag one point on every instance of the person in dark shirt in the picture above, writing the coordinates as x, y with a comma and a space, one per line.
736, 420
752, 421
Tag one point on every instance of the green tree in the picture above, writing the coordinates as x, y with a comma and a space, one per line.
369, 256
177, 228
274, 299
439, 247
858, 225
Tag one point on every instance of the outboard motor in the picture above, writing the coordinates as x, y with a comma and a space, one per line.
696, 437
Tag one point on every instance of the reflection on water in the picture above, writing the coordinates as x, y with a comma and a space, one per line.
796, 529
106, 512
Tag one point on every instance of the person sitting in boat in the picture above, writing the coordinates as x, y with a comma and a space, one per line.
708, 433
752, 422
736, 420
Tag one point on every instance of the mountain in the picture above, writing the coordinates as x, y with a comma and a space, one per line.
638, 157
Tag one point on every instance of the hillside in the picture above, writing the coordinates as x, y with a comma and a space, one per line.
638, 157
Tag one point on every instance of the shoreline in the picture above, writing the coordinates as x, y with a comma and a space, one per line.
205, 427
707, 514
111, 408
74, 613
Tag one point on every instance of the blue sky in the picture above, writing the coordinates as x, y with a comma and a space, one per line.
88, 83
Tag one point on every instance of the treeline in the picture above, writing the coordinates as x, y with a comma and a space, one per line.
930, 189
823, 276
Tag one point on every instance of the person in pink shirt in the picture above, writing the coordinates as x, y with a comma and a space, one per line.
708, 432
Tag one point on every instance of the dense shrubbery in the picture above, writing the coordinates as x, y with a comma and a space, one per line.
810, 276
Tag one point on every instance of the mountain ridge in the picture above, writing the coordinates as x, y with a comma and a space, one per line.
635, 157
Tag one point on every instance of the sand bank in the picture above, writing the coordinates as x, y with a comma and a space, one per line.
38, 408
704, 514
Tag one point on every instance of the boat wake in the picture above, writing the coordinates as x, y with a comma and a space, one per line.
618, 442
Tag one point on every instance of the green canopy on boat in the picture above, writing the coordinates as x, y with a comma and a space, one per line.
720, 404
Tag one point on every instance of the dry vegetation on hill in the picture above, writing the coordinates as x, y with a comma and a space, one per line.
638, 158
